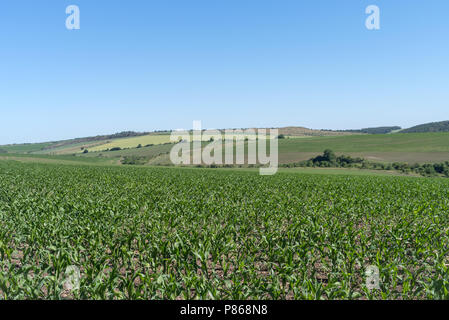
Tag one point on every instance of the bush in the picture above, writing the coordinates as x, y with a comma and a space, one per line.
134, 160
329, 159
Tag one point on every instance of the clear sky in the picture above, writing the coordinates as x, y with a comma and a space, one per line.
148, 65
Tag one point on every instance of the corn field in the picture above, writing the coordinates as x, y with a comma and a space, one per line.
166, 233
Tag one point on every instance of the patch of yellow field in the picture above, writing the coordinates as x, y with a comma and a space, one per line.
132, 142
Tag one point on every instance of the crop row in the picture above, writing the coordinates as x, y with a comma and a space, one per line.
166, 233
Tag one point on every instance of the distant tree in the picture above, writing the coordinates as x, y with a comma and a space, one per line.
85, 151
377, 130
442, 126
139, 146
329, 155
281, 136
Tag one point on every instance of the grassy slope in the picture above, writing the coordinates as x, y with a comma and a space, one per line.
26, 148
421, 148
102, 161
133, 142
71, 148
413, 147
418, 147
78, 147
324, 171
57, 159
148, 152
413, 142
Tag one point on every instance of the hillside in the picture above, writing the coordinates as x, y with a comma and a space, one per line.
410, 148
131, 139
376, 130
299, 144
442, 126
123, 139
301, 131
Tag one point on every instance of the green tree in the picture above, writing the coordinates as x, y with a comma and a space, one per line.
329, 155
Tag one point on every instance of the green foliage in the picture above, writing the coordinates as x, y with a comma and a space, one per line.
442, 126
134, 160
329, 159
376, 130
165, 233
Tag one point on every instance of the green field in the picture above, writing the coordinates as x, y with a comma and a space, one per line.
168, 233
25, 148
399, 142
68, 147
150, 152
133, 142
71, 148
410, 147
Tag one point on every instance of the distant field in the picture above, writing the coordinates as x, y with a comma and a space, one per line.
133, 142
411, 148
71, 148
398, 147
150, 152
26, 148
410, 142
419, 147
75, 146
301, 131
342, 171
57, 159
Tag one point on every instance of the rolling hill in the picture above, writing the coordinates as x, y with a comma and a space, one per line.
376, 130
299, 144
442, 126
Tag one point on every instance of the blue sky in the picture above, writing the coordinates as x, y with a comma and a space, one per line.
149, 65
